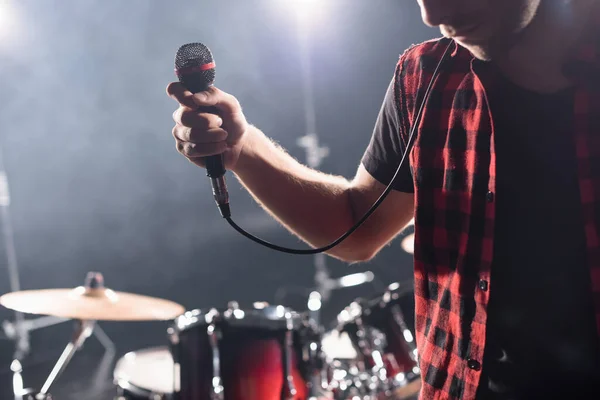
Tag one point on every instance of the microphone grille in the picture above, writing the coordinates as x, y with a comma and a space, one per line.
195, 67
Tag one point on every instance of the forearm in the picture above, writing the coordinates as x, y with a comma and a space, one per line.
313, 205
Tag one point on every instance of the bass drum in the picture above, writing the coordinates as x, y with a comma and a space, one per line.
147, 374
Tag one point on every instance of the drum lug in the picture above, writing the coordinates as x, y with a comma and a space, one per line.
173, 336
289, 390
217, 383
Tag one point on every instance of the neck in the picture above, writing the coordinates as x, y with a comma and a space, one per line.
534, 59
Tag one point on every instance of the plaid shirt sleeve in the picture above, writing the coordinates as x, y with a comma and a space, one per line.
386, 149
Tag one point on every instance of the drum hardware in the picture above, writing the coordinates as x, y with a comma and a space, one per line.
92, 303
260, 353
86, 305
289, 390
381, 333
213, 339
83, 330
145, 374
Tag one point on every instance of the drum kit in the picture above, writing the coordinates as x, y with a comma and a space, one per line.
261, 352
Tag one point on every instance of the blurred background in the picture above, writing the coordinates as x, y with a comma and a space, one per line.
97, 185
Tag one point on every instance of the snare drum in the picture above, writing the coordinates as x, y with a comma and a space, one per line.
262, 353
145, 374
382, 332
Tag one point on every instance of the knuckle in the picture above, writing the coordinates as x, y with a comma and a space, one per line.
187, 118
177, 115
171, 88
188, 149
179, 133
191, 134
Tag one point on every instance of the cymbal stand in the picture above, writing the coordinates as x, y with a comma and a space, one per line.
83, 330
315, 154
18, 331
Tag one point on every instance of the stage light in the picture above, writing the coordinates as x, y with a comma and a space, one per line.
8, 22
356, 279
314, 301
307, 12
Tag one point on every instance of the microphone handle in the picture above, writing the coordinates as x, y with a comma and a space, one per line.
215, 168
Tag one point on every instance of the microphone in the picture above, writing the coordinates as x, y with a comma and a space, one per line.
195, 69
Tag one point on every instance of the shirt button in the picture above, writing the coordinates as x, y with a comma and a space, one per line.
489, 197
483, 285
473, 364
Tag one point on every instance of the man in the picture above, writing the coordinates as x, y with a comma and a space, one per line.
504, 185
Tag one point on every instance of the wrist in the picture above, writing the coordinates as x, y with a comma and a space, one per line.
247, 149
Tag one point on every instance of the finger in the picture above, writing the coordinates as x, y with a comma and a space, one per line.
193, 150
180, 94
199, 136
213, 97
193, 119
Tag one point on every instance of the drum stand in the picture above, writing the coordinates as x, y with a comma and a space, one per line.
83, 330
18, 331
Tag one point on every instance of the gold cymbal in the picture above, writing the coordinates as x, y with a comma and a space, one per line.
94, 304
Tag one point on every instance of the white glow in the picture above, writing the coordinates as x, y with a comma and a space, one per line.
18, 384
239, 314
9, 23
408, 336
344, 316
314, 301
260, 305
339, 374
356, 279
408, 244
377, 358
280, 311
307, 12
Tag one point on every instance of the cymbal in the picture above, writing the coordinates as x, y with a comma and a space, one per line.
94, 304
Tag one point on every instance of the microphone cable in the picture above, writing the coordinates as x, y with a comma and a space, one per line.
225, 211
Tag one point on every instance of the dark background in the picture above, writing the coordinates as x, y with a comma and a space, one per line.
96, 183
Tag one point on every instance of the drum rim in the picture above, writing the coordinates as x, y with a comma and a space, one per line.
271, 314
357, 308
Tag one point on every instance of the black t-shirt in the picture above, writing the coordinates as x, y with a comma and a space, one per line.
385, 151
541, 335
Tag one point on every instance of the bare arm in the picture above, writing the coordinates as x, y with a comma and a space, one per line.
319, 207
315, 206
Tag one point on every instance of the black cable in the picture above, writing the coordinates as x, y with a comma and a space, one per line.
388, 189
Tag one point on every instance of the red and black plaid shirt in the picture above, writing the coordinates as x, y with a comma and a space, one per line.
454, 169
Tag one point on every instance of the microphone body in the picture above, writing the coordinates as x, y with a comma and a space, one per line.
195, 68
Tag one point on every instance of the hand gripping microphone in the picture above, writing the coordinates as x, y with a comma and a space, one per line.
195, 69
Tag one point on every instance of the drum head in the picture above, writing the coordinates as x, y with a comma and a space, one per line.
338, 346
149, 369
